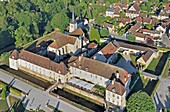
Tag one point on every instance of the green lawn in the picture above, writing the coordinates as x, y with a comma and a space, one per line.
154, 62
141, 84
12, 90
144, 81
102, 89
3, 105
133, 59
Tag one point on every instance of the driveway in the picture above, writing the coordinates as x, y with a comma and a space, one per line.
38, 98
166, 40
161, 98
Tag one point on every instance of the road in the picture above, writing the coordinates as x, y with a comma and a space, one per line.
38, 98
161, 98
166, 40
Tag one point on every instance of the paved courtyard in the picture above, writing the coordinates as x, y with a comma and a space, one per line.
162, 96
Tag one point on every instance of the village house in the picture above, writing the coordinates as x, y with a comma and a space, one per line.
133, 10
135, 28
110, 12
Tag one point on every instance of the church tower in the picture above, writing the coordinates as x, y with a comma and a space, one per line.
73, 24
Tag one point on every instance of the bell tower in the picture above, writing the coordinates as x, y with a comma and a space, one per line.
73, 24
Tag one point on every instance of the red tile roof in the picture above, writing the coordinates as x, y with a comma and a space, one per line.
116, 88
62, 39
99, 68
109, 49
43, 62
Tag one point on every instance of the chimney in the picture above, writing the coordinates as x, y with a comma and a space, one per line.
113, 81
94, 57
79, 58
117, 74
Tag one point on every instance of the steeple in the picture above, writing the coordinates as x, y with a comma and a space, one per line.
73, 24
73, 19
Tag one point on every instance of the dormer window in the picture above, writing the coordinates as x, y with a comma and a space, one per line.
113, 89
87, 69
74, 64
12, 57
80, 66
59, 71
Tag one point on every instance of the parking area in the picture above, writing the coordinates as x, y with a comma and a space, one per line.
161, 98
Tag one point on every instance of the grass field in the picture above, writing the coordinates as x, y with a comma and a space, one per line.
3, 105
154, 62
12, 90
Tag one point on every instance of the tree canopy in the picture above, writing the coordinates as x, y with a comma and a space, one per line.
141, 102
104, 32
131, 37
22, 21
94, 35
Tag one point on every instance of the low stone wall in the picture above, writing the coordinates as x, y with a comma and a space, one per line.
84, 93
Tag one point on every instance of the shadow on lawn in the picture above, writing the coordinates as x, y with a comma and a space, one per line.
140, 87
160, 65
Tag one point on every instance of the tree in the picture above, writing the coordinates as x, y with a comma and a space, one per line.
100, 20
4, 92
104, 32
94, 35
60, 20
140, 102
4, 58
131, 37
149, 26
122, 14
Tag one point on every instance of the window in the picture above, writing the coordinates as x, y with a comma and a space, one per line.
108, 99
113, 95
117, 97
117, 103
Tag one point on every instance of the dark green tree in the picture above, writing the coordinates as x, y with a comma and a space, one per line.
60, 20
140, 102
131, 37
104, 32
